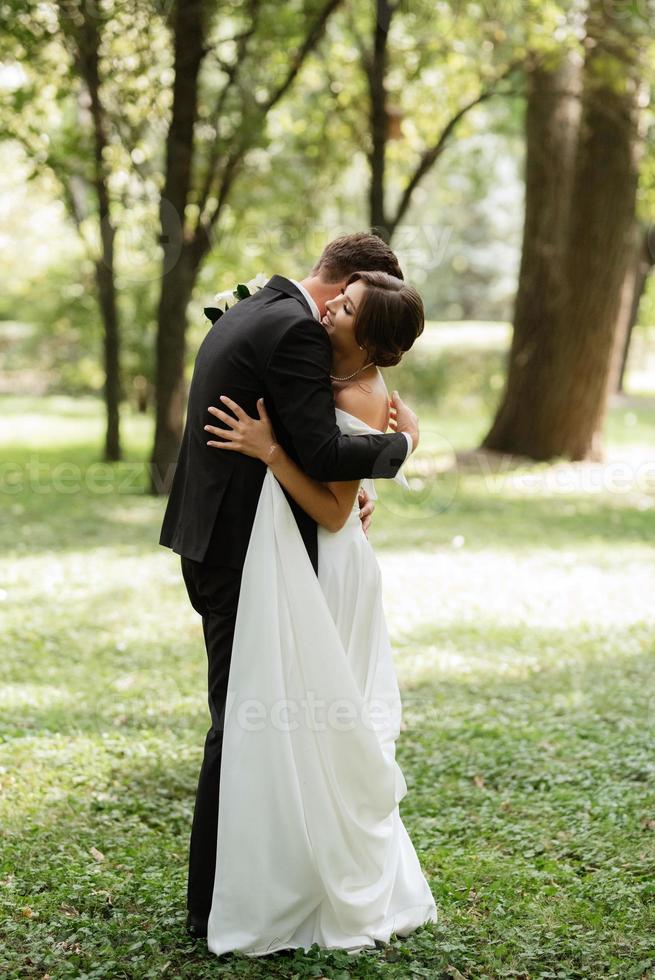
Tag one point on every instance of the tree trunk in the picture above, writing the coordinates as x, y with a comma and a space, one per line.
170, 389
107, 301
85, 33
599, 243
378, 119
634, 286
105, 278
551, 129
561, 410
178, 272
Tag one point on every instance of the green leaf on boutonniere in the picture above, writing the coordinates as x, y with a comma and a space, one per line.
213, 313
241, 292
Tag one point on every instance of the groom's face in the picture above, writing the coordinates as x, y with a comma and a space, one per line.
329, 292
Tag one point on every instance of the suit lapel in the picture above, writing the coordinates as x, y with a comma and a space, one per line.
282, 285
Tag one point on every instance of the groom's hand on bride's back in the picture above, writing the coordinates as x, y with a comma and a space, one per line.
403, 419
366, 508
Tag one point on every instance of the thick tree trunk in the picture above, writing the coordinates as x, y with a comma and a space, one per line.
599, 243
178, 270
551, 130
560, 410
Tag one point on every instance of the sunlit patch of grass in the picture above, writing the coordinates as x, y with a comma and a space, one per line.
523, 626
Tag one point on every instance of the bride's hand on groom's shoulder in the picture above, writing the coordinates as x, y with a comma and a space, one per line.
403, 419
253, 437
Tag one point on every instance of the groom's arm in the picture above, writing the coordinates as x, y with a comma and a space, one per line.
297, 379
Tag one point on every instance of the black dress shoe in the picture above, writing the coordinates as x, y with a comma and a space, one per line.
196, 926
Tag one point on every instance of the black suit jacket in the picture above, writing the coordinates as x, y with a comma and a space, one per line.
266, 345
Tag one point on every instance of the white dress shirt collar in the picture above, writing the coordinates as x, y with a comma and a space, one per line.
312, 305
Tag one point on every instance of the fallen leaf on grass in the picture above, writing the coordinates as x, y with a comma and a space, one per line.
68, 909
98, 855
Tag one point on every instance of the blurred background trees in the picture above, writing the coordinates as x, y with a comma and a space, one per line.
157, 151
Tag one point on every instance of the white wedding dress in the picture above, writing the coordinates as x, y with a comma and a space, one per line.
311, 847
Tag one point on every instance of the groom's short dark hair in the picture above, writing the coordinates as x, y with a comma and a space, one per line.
361, 252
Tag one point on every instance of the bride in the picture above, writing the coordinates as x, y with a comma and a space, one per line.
311, 847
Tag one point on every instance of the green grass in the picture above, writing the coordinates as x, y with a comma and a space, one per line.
522, 618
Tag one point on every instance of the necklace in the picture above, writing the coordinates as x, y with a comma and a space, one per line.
348, 377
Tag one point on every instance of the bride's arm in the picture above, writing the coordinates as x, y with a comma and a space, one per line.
329, 504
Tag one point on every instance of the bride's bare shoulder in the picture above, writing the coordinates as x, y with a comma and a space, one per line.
367, 400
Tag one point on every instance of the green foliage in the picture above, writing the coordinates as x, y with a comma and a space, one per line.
454, 365
304, 177
62, 342
60, 345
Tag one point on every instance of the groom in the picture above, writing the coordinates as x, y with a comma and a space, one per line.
271, 344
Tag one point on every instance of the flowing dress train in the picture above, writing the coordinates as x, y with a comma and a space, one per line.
311, 847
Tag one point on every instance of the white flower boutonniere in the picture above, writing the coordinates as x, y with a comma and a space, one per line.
228, 297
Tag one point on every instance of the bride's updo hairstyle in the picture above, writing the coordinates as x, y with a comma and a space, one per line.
389, 317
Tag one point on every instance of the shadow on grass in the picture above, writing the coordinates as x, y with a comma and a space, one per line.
478, 696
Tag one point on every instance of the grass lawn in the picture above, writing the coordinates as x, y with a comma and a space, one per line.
522, 613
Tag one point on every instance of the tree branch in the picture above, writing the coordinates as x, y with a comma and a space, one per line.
314, 35
432, 154
207, 221
232, 72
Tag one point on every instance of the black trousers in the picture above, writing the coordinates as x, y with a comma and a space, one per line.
214, 593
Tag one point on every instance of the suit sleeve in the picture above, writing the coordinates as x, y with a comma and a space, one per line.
298, 383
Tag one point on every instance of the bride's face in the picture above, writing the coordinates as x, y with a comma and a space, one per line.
339, 320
